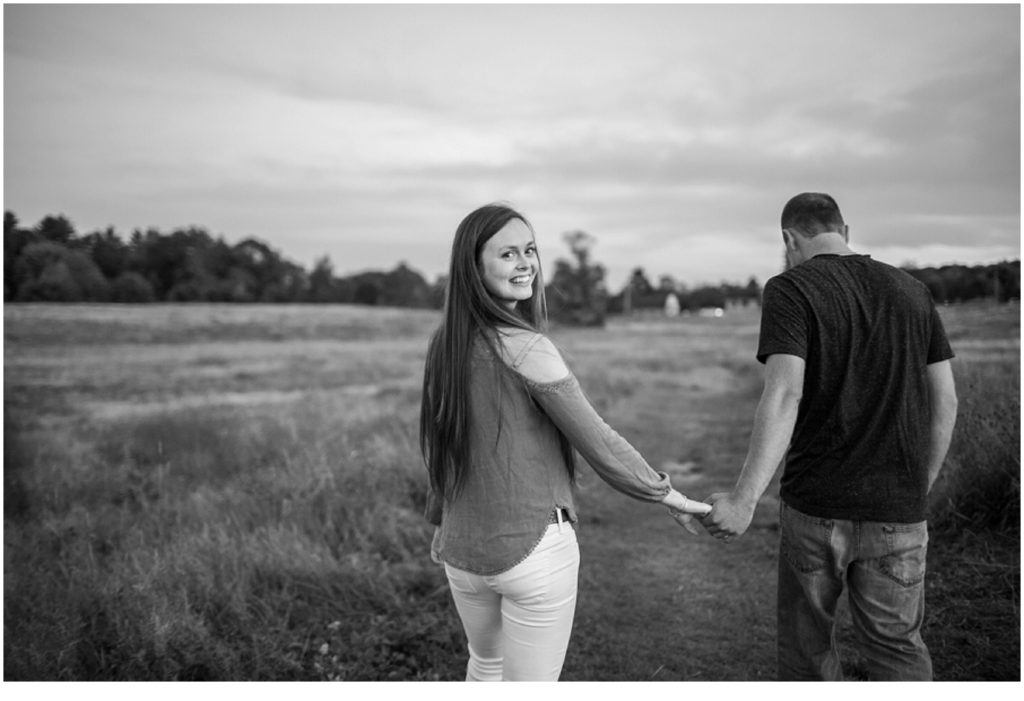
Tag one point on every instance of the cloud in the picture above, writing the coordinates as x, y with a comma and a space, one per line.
673, 134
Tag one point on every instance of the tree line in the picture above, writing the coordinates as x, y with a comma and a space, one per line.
962, 283
50, 262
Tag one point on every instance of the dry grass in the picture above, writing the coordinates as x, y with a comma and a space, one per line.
234, 492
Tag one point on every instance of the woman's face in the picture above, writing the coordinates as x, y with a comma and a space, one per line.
508, 263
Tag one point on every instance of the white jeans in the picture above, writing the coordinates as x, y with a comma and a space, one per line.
518, 622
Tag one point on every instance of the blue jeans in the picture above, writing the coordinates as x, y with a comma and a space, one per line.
882, 566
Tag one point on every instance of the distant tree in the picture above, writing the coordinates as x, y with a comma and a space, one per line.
367, 292
57, 229
131, 288
667, 283
107, 250
437, 292
321, 281
289, 286
205, 288
576, 294
344, 290
753, 291
55, 283
933, 281
171, 260
270, 278
706, 297
638, 293
218, 259
1007, 276
639, 284
206, 272
961, 283
15, 241
404, 287
50, 272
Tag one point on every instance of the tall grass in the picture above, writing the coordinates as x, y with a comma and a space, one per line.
973, 585
979, 486
226, 545
156, 530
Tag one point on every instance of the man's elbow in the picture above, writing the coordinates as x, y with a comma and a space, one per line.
944, 407
942, 388
792, 395
950, 403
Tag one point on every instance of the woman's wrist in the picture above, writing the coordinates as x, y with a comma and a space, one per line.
679, 503
674, 500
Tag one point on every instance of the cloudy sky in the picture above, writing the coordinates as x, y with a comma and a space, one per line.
673, 134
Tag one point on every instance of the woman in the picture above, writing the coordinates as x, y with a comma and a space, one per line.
500, 416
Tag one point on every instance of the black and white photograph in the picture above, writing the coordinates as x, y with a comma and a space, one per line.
580, 342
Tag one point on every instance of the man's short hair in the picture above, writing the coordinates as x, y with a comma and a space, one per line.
812, 213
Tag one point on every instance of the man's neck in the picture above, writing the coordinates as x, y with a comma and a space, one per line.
828, 243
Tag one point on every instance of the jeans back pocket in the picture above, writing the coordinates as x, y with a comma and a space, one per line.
906, 552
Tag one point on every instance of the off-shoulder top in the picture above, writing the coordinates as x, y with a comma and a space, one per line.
517, 475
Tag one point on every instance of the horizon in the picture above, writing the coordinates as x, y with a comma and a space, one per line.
672, 134
651, 275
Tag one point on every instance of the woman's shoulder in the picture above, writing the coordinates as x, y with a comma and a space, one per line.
532, 355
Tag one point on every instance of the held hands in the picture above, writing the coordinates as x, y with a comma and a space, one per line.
730, 515
681, 509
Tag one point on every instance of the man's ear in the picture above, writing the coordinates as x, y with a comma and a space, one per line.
789, 238
846, 233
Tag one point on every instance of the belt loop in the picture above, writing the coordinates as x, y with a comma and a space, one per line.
558, 516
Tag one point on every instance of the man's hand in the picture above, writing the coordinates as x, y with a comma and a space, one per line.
730, 516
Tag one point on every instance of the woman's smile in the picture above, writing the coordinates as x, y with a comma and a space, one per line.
509, 264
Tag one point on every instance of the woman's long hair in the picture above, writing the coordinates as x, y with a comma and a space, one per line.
469, 311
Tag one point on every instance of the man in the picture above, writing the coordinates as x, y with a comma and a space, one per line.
858, 387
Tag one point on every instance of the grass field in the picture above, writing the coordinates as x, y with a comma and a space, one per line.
234, 492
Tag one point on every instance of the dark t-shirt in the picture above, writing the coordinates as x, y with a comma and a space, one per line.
867, 332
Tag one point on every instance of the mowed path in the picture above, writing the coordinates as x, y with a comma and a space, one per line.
655, 602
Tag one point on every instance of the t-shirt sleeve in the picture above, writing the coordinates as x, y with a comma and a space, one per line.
784, 322
938, 345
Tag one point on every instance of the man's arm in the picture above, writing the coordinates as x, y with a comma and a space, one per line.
773, 428
943, 402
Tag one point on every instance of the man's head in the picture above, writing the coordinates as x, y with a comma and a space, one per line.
812, 213
805, 216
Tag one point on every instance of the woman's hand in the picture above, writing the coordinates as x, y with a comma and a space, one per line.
677, 502
681, 509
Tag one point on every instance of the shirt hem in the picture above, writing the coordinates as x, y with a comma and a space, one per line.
855, 514
505, 568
